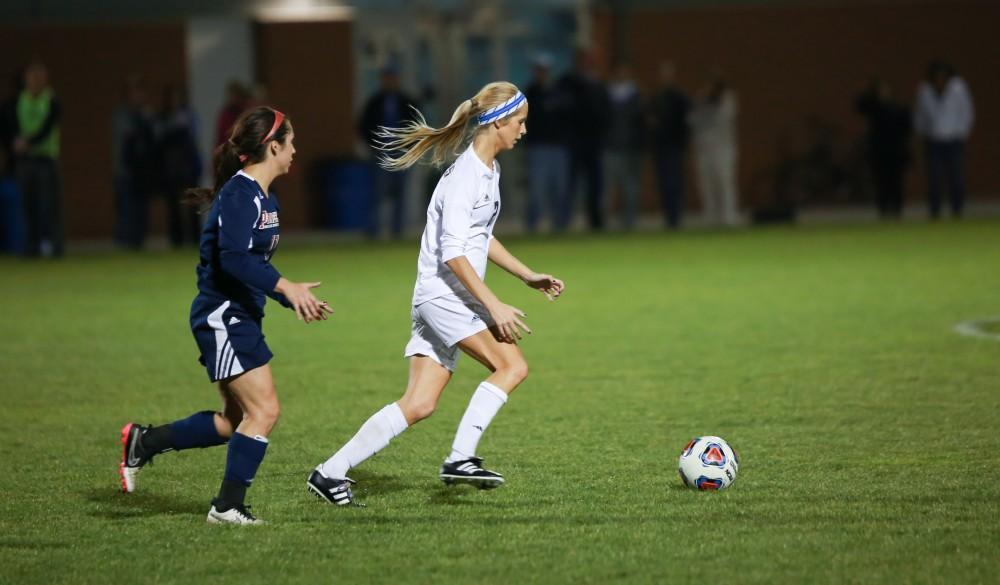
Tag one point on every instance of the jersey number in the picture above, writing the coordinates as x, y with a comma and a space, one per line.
496, 212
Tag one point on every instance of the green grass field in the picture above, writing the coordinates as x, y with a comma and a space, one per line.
867, 428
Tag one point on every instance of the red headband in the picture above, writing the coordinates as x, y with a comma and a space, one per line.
278, 119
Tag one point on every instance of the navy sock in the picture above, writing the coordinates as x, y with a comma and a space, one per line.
242, 460
197, 430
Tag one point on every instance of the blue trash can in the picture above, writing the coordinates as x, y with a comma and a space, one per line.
347, 194
12, 224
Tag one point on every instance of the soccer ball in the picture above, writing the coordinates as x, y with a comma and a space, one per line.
708, 463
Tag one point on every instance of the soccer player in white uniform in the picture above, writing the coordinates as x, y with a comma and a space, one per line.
453, 309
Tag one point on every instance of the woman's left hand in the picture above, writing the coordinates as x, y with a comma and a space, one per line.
549, 285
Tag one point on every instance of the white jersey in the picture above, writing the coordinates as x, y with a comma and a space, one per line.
460, 219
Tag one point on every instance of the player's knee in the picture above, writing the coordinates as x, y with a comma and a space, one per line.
267, 414
418, 410
517, 371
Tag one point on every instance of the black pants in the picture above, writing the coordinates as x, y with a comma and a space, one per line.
587, 164
133, 212
944, 165
183, 223
41, 197
888, 179
670, 171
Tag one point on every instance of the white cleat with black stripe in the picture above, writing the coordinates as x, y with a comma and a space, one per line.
335, 491
470, 471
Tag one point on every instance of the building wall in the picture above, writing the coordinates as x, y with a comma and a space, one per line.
797, 70
306, 67
88, 66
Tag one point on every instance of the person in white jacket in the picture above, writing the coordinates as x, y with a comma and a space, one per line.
713, 128
943, 116
452, 308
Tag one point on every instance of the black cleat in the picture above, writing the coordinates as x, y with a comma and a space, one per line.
335, 491
470, 471
133, 455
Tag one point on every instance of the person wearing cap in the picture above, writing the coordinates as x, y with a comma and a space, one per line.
235, 275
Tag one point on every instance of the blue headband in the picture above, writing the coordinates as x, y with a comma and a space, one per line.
503, 110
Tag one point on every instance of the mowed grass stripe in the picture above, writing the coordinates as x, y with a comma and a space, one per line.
825, 355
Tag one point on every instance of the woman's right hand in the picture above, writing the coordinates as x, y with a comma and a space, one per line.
508, 322
300, 296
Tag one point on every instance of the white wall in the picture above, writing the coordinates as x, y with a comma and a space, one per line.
218, 50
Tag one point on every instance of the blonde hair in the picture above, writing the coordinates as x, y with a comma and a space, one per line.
415, 139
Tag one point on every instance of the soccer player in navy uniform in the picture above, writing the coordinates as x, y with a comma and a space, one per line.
234, 276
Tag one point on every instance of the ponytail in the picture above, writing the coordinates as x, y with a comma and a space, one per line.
416, 138
246, 145
226, 162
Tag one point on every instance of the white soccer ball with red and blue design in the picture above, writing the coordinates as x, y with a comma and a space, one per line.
708, 463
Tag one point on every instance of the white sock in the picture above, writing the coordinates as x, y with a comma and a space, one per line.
371, 438
485, 404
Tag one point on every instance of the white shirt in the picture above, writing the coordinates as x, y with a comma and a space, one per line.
460, 220
714, 124
947, 116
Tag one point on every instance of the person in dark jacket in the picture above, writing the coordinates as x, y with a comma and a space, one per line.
586, 121
547, 148
388, 108
135, 162
668, 112
887, 145
623, 142
180, 164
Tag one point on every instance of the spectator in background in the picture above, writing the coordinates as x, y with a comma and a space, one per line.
8, 125
180, 164
388, 108
134, 152
713, 124
548, 152
668, 113
238, 100
586, 119
887, 145
623, 142
12, 223
36, 148
943, 117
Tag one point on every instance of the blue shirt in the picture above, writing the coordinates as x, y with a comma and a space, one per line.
240, 237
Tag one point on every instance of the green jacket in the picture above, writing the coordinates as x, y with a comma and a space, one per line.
38, 122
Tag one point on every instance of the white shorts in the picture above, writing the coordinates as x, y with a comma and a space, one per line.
439, 324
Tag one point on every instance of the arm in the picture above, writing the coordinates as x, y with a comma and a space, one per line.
280, 299
549, 285
968, 110
237, 215
456, 217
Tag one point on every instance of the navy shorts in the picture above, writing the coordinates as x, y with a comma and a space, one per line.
230, 339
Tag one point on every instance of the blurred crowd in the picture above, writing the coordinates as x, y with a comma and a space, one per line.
588, 136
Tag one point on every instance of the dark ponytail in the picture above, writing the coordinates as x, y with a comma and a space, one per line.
247, 145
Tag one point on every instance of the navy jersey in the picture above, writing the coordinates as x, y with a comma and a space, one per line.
240, 237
